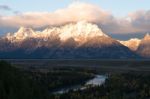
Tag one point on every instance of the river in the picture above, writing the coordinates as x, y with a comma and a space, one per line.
96, 81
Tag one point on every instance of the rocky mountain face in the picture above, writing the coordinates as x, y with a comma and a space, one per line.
139, 46
71, 41
144, 47
132, 44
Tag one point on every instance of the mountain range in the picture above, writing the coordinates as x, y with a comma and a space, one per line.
81, 40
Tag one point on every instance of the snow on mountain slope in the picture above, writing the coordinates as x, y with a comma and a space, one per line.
80, 31
132, 43
73, 40
21, 34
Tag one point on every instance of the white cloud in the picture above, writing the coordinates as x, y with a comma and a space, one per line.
135, 22
75, 12
141, 20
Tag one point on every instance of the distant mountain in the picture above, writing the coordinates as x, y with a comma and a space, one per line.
72, 41
144, 47
79, 31
133, 43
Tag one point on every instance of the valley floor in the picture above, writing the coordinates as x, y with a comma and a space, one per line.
38, 79
101, 65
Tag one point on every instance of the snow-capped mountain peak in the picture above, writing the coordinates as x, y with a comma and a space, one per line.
21, 34
79, 31
25, 31
133, 43
74, 40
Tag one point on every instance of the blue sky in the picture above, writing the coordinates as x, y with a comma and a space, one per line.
117, 7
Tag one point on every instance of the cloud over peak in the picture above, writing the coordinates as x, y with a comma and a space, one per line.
135, 22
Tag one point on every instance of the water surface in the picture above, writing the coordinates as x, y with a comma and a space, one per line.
96, 81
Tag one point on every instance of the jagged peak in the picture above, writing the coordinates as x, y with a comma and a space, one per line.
134, 39
80, 31
131, 40
24, 29
21, 34
78, 25
21, 29
24, 32
132, 43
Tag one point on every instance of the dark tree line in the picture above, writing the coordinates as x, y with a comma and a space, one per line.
117, 86
22, 84
25, 84
15, 84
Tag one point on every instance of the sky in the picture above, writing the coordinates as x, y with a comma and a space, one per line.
117, 7
122, 17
